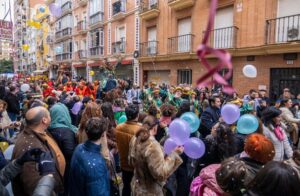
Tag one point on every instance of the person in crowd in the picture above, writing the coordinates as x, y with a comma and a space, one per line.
275, 131
167, 112
13, 105
258, 150
276, 179
231, 176
295, 161
251, 99
46, 168
151, 167
286, 94
35, 135
88, 174
124, 133
290, 120
263, 96
5, 122
110, 84
63, 132
210, 116
261, 107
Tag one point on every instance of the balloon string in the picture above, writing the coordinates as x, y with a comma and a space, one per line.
224, 58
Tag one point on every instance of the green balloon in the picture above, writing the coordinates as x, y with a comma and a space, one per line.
122, 119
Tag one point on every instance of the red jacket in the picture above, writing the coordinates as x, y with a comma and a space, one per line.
48, 92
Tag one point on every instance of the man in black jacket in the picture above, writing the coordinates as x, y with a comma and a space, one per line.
210, 116
13, 105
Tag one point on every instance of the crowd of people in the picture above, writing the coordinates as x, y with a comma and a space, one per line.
80, 138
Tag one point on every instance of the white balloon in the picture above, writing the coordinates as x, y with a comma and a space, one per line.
250, 71
25, 87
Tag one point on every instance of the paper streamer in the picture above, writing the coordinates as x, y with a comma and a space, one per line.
224, 59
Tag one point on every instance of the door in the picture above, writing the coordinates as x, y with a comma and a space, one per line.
184, 35
151, 46
223, 31
284, 78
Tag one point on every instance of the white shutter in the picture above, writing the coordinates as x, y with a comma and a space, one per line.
151, 48
184, 39
288, 7
101, 37
224, 17
152, 34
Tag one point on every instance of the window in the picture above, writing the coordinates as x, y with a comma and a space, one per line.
97, 38
121, 34
184, 76
119, 6
96, 6
184, 35
151, 46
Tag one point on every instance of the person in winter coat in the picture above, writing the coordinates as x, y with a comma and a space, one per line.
46, 166
35, 135
151, 167
295, 162
210, 116
275, 131
63, 132
124, 133
290, 120
206, 183
89, 175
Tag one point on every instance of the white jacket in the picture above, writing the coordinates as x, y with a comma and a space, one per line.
281, 147
288, 116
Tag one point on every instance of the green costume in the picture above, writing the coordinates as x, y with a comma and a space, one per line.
176, 102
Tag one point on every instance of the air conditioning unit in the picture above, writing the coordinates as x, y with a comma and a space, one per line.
293, 34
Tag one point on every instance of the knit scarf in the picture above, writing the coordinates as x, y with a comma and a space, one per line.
278, 132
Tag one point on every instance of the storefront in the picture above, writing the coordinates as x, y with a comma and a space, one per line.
124, 69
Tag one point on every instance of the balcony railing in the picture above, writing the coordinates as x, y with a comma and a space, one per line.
96, 51
96, 18
148, 48
81, 26
82, 54
63, 33
118, 6
224, 37
63, 56
119, 46
179, 44
66, 7
149, 5
283, 29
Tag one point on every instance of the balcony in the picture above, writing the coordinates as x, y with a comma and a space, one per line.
180, 4
50, 39
81, 27
96, 51
96, 20
149, 10
66, 8
63, 34
224, 37
63, 57
82, 54
148, 48
283, 30
180, 44
119, 46
82, 2
119, 10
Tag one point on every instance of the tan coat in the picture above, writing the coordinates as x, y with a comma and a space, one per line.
151, 167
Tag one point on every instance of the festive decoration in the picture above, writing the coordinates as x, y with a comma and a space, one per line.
169, 146
194, 148
247, 124
179, 131
37, 25
25, 87
192, 119
92, 73
55, 9
250, 71
122, 119
223, 57
230, 113
42, 9
25, 47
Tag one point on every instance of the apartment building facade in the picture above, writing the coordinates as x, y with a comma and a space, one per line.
264, 33
94, 35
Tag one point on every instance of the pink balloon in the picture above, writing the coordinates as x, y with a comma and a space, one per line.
179, 131
169, 146
194, 148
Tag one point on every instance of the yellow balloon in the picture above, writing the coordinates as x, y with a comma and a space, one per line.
30, 23
92, 73
25, 47
37, 25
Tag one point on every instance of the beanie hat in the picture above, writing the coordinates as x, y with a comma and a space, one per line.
259, 148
